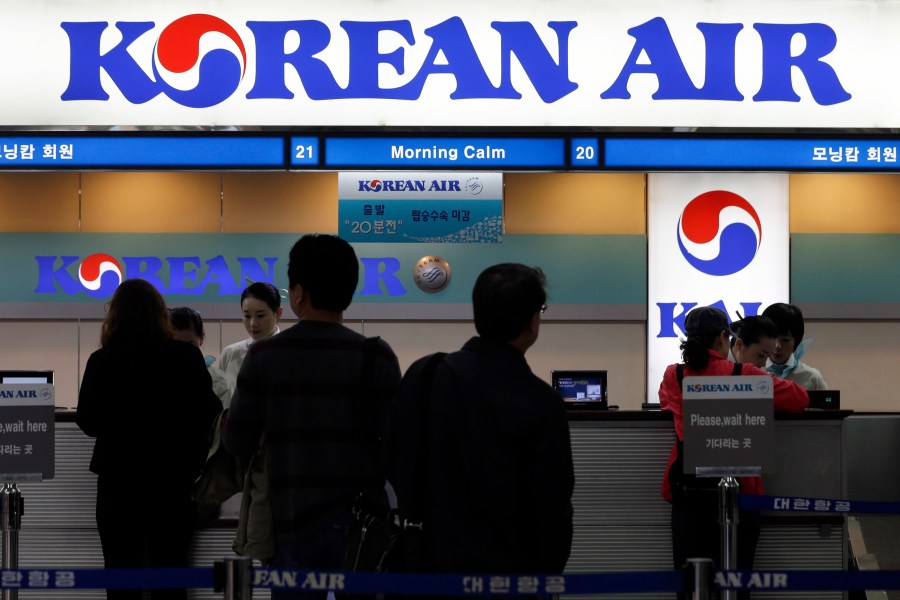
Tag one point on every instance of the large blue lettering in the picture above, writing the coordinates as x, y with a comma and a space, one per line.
550, 80
217, 273
668, 320
271, 59
654, 40
451, 41
378, 270
179, 274
365, 58
777, 61
50, 276
86, 62
147, 268
252, 270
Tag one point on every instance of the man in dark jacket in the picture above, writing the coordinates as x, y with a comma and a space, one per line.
317, 393
478, 446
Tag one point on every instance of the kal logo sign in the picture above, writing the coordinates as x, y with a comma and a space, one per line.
219, 63
719, 233
98, 275
409, 185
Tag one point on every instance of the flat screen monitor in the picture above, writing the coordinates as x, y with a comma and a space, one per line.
824, 399
581, 389
26, 376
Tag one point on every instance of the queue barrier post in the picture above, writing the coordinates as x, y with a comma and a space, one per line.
11, 509
728, 524
698, 582
238, 578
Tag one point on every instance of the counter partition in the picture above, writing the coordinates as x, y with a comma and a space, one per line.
621, 520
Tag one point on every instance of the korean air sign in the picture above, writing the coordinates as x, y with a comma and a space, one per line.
451, 63
719, 239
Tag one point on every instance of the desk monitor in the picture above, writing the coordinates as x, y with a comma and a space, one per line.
26, 376
581, 389
824, 399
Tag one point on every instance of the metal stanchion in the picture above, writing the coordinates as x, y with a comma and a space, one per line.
238, 578
728, 524
11, 508
698, 583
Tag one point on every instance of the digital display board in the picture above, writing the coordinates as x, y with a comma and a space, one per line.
457, 152
747, 154
80, 152
445, 152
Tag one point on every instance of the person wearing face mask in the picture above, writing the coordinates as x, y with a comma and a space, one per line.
790, 348
261, 305
754, 340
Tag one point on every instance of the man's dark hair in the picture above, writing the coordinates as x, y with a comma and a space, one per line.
788, 318
327, 268
505, 299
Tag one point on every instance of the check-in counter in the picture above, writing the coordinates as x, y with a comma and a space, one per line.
621, 520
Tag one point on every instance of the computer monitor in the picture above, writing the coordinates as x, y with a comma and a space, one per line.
824, 399
581, 389
26, 377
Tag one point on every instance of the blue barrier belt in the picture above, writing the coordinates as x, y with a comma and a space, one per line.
459, 585
816, 505
183, 578
808, 580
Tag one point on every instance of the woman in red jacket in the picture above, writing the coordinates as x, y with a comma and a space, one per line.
695, 528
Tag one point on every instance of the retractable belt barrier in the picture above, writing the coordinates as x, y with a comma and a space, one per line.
416, 584
816, 505
457, 585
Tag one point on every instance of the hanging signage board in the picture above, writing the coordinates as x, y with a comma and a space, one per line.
729, 426
751, 154
27, 432
450, 63
415, 207
466, 153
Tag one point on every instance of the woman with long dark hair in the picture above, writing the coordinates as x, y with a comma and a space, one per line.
695, 529
148, 401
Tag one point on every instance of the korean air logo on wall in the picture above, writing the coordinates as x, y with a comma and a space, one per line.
719, 233
92, 273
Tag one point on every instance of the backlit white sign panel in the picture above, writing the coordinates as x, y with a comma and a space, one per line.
718, 239
694, 63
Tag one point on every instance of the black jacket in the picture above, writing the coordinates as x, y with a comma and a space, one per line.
151, 410
499, 477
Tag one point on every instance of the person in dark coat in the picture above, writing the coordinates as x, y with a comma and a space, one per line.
148, 401
494, 474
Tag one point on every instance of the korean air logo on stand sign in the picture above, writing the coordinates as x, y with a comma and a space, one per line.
719, 233
717, 239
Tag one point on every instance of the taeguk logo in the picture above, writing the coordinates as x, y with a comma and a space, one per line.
180, 71
719, 233
92, 269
